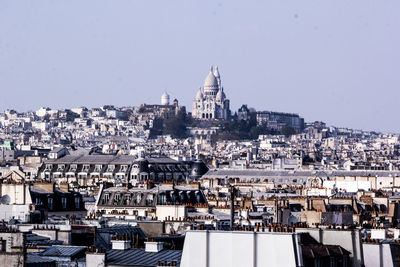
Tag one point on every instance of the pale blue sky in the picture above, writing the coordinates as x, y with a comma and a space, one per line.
336, 61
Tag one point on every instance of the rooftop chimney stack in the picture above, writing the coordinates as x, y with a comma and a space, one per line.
153, 246
121, 244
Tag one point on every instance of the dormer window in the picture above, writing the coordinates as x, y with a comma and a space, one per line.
98, 168
73, 167
107, 197
124, 168
128, 200
85, 167
110, 168
149, 199
61, 167
138, 198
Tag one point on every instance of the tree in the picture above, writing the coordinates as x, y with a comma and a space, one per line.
287, 130
176, 126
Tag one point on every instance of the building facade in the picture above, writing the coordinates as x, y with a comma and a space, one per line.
210, 101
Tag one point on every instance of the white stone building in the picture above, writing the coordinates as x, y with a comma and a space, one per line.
210, 101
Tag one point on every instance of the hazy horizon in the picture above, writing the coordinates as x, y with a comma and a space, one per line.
332, 61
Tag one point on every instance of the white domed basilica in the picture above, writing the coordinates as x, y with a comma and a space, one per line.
210, 101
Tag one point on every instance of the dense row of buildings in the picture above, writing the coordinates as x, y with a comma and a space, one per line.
89, 187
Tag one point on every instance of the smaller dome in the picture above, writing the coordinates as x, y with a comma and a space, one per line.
165, 99
199, 94
198, 169
220, 95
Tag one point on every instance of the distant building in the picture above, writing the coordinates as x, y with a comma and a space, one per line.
162, 201
165, 99
244, 113
163, 110
89, 169
210, 101
277, 120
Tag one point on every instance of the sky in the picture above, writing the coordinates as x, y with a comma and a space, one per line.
336, 61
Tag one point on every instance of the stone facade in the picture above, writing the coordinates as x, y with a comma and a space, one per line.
210, 101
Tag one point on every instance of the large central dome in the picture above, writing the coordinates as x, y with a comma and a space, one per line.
211, 83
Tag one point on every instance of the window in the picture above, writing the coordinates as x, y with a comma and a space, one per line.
3, 245
149, 200
64, 202
110, 168
50, 203
61, 167
162, 198
73, 168
124, 168
77, 202
49, 167
97, 168
128, 200
138, 198
85, 167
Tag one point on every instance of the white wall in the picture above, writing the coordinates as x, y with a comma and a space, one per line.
349, 186
8, 212
16, 193
348, 239
377, 254
174, 211
220, 248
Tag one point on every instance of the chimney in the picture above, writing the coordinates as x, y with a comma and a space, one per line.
121, 244
153, 246
95, 258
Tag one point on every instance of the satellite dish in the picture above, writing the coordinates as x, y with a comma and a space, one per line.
5, 200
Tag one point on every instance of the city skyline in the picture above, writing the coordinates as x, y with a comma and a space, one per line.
335, 63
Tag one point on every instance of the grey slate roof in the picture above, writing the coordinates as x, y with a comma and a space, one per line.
122, 229
117, 229
62, 251
221, 173
35, 259
139, 257
95, 159
34, 239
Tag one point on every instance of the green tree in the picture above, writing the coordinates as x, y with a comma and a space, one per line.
287, 130
176, 126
